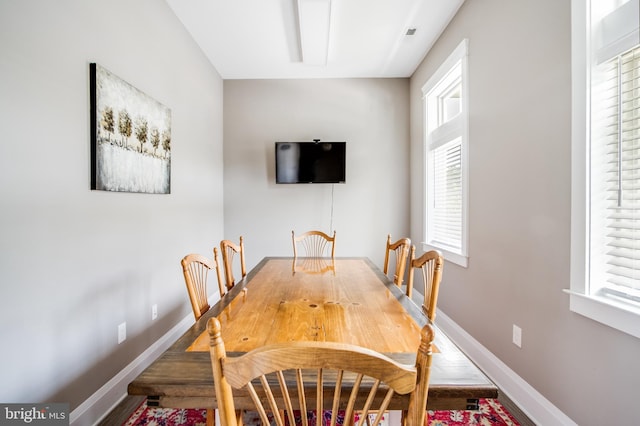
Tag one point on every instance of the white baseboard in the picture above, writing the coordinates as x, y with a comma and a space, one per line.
540, 410
98, 405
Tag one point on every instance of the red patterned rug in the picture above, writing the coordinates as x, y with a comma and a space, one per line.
491, 413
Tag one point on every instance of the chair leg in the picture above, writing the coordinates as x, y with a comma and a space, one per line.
211, 417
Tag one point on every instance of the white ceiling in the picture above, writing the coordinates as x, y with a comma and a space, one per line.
259, 39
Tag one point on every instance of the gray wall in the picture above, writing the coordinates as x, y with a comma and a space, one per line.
370, 114
520, 118
76, 263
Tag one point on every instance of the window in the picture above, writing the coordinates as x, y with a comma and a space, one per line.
605, 234
446, 141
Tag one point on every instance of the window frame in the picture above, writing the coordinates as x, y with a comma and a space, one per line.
457, 126
618, 315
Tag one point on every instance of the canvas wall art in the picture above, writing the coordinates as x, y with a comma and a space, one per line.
130, 137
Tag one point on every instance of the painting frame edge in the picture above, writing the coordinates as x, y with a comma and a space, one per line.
93, 123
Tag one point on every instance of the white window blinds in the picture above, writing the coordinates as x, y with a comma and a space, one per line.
605, 224
446, 208
615, 177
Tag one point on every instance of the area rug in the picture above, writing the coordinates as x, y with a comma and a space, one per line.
491, 413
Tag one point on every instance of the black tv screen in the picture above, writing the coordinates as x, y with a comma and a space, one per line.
310, 162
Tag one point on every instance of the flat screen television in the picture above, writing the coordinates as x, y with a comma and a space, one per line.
310, 162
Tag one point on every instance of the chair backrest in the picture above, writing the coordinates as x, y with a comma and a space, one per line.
401, 250
229, 250
195, 268
314, 243
431, 264
331, 366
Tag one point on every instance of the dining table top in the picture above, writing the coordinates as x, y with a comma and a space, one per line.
346, 300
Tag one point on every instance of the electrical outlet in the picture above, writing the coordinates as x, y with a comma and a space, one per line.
517, 336
122, 332
154, 312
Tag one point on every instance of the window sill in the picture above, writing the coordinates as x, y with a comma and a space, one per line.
621, 316
449, 256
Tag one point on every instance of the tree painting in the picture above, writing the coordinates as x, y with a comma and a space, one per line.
142, 132
131, 137
124, 126
108, 121
166, 140
154, 138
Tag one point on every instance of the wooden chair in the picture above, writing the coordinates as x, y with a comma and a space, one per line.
333, 366
196, 269
229, 250
401, 250
314, 243
431, 264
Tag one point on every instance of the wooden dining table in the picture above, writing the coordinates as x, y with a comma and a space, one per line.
345, 300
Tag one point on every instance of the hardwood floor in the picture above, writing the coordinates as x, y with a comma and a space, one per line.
122, 411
